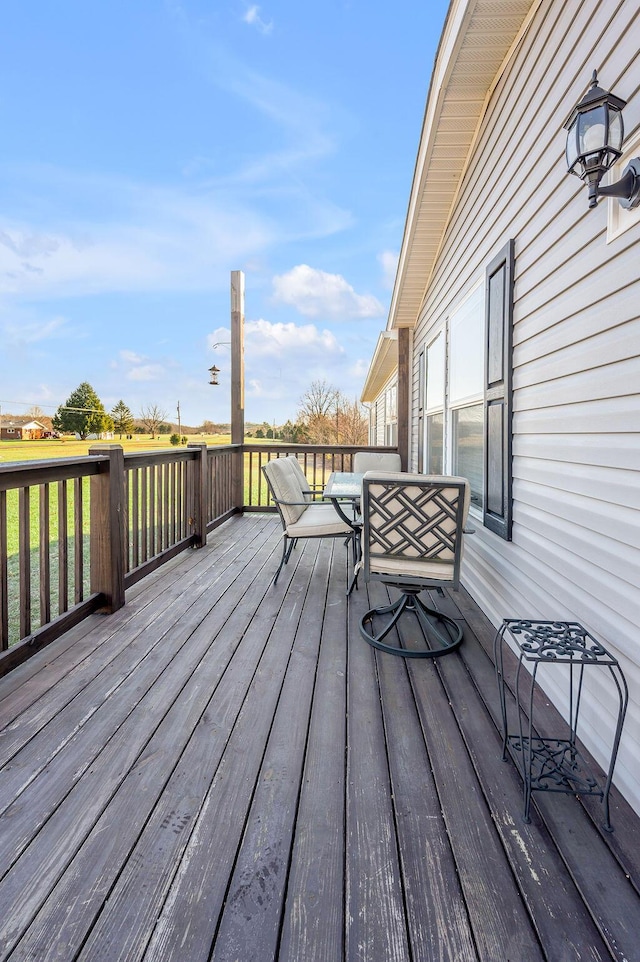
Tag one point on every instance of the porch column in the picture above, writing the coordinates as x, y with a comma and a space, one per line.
404, 394
237, 383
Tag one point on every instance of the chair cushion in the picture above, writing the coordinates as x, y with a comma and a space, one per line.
376, 461
285, 482
318, 520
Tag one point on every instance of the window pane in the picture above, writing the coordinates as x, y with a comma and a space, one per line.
435, 435
466, 363
467, 448
435, 373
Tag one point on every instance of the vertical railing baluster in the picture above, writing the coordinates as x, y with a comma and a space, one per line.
78, 540
4, 574
63, 549
152, 510
134, 518
44, 532
24, 539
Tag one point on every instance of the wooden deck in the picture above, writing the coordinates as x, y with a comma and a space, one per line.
224, 770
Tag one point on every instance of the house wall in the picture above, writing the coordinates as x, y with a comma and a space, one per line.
380, 433
575, 548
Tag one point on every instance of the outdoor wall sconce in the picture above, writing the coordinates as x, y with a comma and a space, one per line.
594, 143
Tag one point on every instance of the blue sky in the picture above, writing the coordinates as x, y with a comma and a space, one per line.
150, 147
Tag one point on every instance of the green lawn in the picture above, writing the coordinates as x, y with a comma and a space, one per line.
70, 448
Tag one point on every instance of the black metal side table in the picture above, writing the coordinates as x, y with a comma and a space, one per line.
554, 764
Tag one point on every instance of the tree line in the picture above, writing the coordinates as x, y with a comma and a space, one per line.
325, 416
83, 413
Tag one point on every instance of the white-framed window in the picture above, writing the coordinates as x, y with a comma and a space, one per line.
435, 373
454, 375
466, 391
391, 416
465, 394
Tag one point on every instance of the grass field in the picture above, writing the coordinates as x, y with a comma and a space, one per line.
11, 451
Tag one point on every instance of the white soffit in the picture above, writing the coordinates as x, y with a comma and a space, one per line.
477, 37
383, 365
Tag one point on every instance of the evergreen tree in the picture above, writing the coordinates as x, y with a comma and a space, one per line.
82, 413
122, 418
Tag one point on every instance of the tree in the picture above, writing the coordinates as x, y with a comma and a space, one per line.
352, 425
152, 417
122, 418
82, 413
317, 401
327, 416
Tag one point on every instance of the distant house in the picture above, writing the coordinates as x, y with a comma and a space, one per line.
512, 349
23, 429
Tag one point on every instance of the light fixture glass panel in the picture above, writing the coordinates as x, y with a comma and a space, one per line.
616, 129
572, 144
592, 127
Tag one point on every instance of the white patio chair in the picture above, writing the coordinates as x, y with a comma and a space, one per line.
376, 461
412, 540
301, 517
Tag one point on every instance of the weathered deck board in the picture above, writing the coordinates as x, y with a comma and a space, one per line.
223, 770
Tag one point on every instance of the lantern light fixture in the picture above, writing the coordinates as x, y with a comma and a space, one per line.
214, 371
594, 143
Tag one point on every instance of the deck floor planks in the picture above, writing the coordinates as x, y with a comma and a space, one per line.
134, 764
78, 654
575, 834
499, 921
207, 864
313, 925
376, 923
120, 841
115, 692
437, 914
250, 923
558, 913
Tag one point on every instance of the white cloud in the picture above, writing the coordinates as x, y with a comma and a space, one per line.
147, 372
316, 293
131, 357
252, 17
31, 332
149, 238
285, 340
388, 260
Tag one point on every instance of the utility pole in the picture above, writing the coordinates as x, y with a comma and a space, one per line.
179, 426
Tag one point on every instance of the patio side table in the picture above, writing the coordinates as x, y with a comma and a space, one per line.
554, 764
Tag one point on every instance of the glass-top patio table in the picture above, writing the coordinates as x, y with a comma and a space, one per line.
346, 487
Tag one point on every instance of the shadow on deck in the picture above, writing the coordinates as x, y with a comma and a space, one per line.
224, 770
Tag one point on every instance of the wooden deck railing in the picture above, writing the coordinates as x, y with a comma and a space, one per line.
76, 532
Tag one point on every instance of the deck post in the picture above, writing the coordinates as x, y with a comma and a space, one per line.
237, 385
198, 493
404, 387
107, 526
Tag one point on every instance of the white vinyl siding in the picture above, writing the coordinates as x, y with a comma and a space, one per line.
575, 551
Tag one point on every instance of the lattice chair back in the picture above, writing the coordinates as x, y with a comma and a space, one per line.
413, 526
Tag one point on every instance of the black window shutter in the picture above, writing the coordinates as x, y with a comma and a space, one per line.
498, 392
